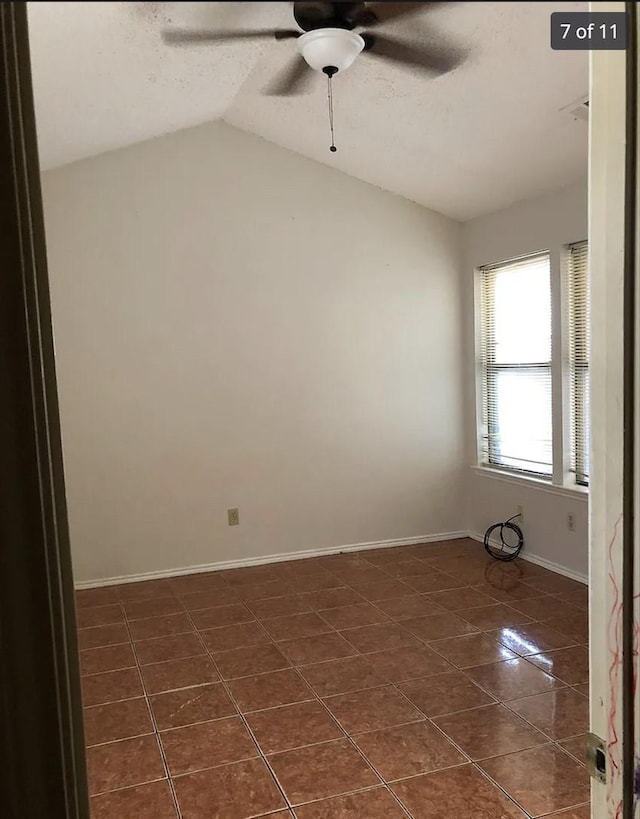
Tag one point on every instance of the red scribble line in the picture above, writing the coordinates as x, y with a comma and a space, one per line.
614, 641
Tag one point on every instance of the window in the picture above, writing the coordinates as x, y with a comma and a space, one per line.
516, 366
533, 365
578, 303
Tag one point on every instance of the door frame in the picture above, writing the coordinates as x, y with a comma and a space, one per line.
41, 743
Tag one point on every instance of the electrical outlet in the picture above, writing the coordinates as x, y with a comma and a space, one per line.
571, 522
233, 516
520, 511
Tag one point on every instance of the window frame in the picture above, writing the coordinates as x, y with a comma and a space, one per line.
489, 370
562, 478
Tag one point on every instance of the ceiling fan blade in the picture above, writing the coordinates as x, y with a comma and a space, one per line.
433, 60
372, 14
189, 36
295, 78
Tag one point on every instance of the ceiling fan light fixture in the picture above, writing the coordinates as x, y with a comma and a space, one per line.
330, 48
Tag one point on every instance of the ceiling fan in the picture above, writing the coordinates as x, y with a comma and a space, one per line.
327, 41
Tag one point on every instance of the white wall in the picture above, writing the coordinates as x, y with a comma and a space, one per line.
239, 326
546, 223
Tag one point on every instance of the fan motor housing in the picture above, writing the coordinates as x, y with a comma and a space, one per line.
311, 16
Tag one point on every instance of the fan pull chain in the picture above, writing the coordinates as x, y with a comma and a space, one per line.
332, 147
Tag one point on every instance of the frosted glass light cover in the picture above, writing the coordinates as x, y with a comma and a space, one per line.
330, 46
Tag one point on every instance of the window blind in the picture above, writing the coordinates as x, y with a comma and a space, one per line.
578, 323
515, 365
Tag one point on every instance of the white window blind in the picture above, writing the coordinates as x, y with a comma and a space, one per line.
578, 324
515, 365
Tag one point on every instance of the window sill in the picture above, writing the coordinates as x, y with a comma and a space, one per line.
576, 492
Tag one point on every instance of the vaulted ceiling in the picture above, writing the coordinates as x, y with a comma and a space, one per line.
491, 132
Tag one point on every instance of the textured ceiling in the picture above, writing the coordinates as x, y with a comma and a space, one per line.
488, 134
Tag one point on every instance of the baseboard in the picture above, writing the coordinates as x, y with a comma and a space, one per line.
542, 561
277, 558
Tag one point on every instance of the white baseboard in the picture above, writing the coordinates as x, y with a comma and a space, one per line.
277, 558
542, 561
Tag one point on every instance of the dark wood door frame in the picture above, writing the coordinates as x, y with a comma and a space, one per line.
41, 739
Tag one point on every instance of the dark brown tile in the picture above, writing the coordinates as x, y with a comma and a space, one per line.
111, 658
579, 599
582, 689
577, 747
151, 801
544, 608
144, 590
293, 726
222, 616
571, 665
445, 694
100, 636
238, 636
153, 608
453, 600
359, 614
560, 714
188, 583
207, 744
340, 676
278, 606
213, 598
111, 686
556, 584
385, 589
250, 575
371, 709
407, 568
489, 731
163, 626
116, 720
332, 598
295, 626
316, 582
408, 663
374, 804
245, 662
542, 780
512, 679
238, 791
461, 792
363, 575
498, 615
438, 626
533, 638
187, 706
576, 626
269, 690
406, 608
99, 616
380, 637
123, 764
301, 567
174, 647
472, 649
102, 596
320, 771
387, 556
316, 649
507, 590
407, 750
582, 812
263, 591
440, 581
174, 674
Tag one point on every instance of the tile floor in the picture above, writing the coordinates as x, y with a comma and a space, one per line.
423, 681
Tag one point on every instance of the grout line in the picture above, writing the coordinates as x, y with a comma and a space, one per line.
316, 696
165, 763
232, 699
